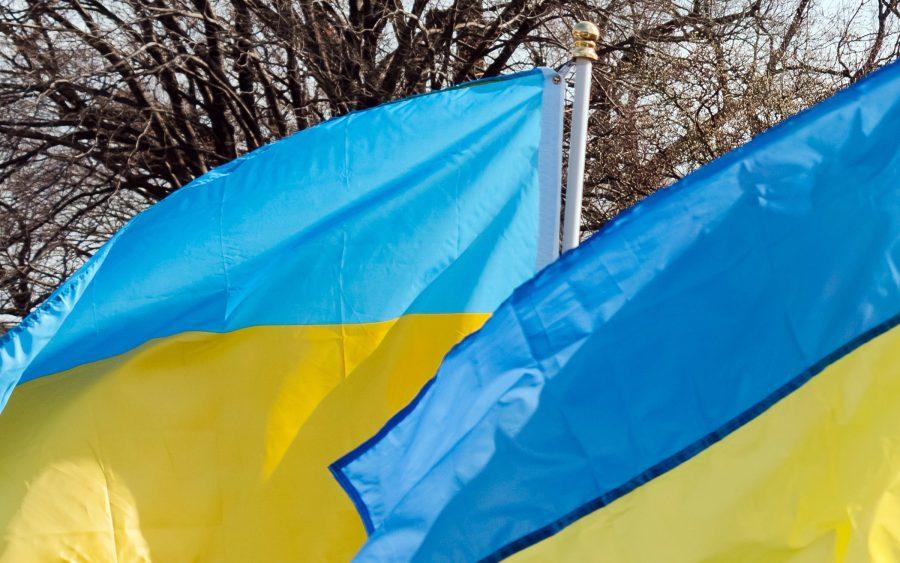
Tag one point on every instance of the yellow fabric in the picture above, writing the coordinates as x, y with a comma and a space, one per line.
208, 447
814, 478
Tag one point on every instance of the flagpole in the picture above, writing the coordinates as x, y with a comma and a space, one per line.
585, 35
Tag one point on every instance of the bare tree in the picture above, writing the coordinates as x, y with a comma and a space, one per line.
680, 86
107, 106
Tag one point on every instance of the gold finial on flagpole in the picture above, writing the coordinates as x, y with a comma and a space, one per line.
586, 35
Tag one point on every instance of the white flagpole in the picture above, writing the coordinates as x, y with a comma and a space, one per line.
585, 34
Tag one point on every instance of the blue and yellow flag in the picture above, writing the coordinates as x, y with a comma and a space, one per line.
181, 396
714, 376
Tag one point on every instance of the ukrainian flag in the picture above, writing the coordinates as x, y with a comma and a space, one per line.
181, 396
714, 376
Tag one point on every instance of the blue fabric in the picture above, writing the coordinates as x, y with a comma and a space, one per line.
680, 317
425, 205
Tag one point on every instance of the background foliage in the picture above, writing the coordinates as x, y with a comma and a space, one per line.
107, 106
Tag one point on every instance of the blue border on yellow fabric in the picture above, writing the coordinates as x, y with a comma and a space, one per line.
338, 466
694, 449
354, 497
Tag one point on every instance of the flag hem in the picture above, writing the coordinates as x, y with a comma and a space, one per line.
337, 467
550, 168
